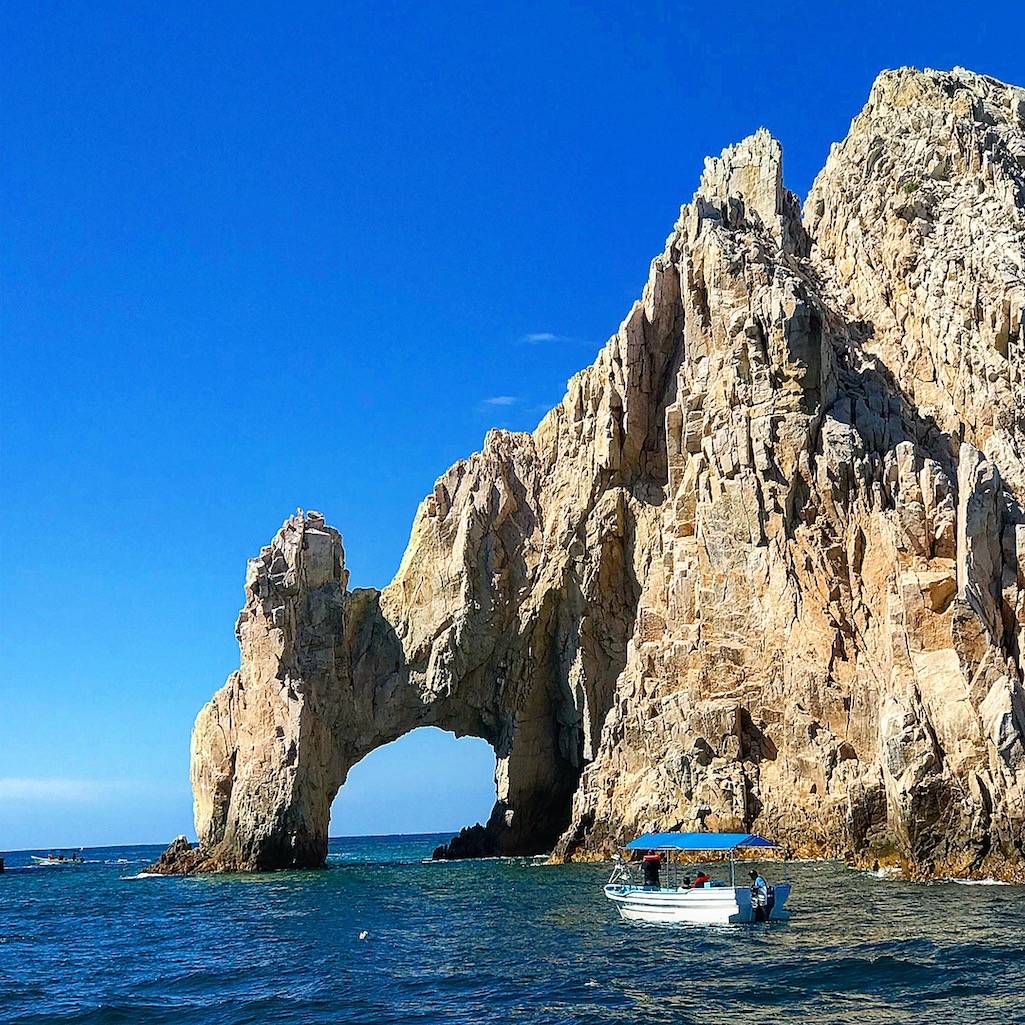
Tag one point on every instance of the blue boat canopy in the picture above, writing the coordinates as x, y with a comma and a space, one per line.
697, 841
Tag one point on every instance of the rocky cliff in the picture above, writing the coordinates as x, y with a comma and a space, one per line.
762, 569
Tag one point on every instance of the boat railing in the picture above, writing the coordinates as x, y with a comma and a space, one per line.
620, 873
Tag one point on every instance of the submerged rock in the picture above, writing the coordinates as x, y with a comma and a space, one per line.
763, 568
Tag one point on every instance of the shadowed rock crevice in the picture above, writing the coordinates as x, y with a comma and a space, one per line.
763, 567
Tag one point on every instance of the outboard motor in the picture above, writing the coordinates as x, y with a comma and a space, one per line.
763, 898
758, 906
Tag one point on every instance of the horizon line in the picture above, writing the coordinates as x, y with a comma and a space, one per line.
106, 846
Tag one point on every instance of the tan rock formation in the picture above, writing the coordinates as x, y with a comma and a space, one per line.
763, 568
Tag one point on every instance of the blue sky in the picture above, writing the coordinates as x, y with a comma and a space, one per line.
257, 258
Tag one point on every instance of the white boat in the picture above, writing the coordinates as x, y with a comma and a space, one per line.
59, 859
711, 902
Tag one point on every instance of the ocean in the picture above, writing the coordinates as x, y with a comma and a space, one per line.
378, 937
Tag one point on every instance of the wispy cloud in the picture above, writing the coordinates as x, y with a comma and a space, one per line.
551, 338
502, 400
79, 791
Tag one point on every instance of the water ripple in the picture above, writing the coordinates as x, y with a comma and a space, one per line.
490, 942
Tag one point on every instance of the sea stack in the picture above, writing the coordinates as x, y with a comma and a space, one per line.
763, 569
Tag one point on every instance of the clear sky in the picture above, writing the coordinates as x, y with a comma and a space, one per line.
267, 256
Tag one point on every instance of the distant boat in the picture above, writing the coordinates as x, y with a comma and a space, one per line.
709, 901
60, 858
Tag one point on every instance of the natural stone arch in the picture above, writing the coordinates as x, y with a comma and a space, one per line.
328, 675
508, 619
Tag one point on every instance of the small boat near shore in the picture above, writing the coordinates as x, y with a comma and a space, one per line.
59, 859
706, 901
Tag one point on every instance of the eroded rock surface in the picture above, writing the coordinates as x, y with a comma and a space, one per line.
763, 568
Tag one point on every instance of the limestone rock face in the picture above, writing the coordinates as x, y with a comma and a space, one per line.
264, 763
762, 569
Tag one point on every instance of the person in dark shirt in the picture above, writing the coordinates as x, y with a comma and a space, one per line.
650, 865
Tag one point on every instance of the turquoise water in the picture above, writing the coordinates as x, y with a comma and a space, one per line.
494, 941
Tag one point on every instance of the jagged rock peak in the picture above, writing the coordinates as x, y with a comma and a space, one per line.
926, 128
744, 186
919, 226
959, 91
763, 568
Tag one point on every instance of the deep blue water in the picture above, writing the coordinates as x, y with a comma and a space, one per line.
494, 941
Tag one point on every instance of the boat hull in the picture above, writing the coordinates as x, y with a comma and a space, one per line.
713, 905
56, 862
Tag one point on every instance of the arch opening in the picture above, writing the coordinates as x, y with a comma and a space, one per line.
427, 782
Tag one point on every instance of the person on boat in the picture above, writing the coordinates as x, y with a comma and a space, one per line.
702, 880
759, 896
650, 864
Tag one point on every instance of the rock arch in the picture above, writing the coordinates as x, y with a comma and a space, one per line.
328, 675
509, 619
